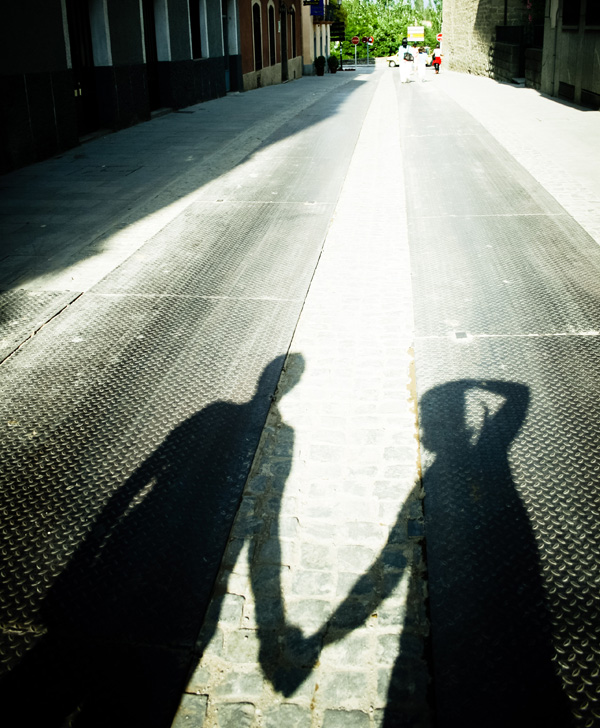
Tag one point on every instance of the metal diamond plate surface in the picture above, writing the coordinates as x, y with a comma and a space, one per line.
230, 249
22, 313
128, 426
508, 373
512, 451
127, 434
505, 275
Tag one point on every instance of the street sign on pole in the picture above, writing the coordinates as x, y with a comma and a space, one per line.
338, 31
370, 40
438, 37
355, 40
415, 33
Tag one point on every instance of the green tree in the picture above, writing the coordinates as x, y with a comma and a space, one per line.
387, 21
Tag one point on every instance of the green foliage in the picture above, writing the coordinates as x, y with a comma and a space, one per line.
387, 21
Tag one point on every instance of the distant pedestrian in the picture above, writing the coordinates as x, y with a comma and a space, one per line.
421, 64
406, 61
437, 58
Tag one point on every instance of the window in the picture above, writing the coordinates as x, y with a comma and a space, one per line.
257, 37
198, 33
571, 12
293, 24
592, 13
194, 7
272, 35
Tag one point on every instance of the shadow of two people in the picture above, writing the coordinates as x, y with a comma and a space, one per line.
123, 617
492, 652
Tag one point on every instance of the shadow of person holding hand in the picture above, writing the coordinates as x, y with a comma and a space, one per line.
491, 630
122, 619
286, 655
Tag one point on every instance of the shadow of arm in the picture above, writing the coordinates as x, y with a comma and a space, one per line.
363, 599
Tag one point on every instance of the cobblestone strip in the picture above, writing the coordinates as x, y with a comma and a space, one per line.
543, 135
318, 618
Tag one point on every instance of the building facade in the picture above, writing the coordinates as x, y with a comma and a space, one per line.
271, 42
571, 57
74, 68
469, 28
317, 18
551, 45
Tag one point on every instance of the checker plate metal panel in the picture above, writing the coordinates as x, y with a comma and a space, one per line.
127, 434
512, 465
505, 275
128, 426
22, 313
204, 244
508, 373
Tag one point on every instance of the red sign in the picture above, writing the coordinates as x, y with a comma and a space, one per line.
370, 40
438, 37
355, 40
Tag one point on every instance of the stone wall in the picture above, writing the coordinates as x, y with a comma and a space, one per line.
271, 75
469, 28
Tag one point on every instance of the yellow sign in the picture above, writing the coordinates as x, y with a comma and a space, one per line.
415, 33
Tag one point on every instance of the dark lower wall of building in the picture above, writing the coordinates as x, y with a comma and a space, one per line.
505, 61
37, 117
183, 83
533, 68
122, 96
38, 113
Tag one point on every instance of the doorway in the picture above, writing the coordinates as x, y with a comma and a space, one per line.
82, 65
151, 54
225, 23
284, 42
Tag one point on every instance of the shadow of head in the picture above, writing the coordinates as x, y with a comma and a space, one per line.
442, 416
457, 414
287, 369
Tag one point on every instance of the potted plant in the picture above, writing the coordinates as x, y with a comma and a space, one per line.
333, 64
320, 65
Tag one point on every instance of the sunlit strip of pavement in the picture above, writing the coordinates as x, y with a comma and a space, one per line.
318, 617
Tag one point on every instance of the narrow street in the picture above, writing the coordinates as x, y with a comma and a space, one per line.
298, 414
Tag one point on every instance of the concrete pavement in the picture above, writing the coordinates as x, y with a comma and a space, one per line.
557, 142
